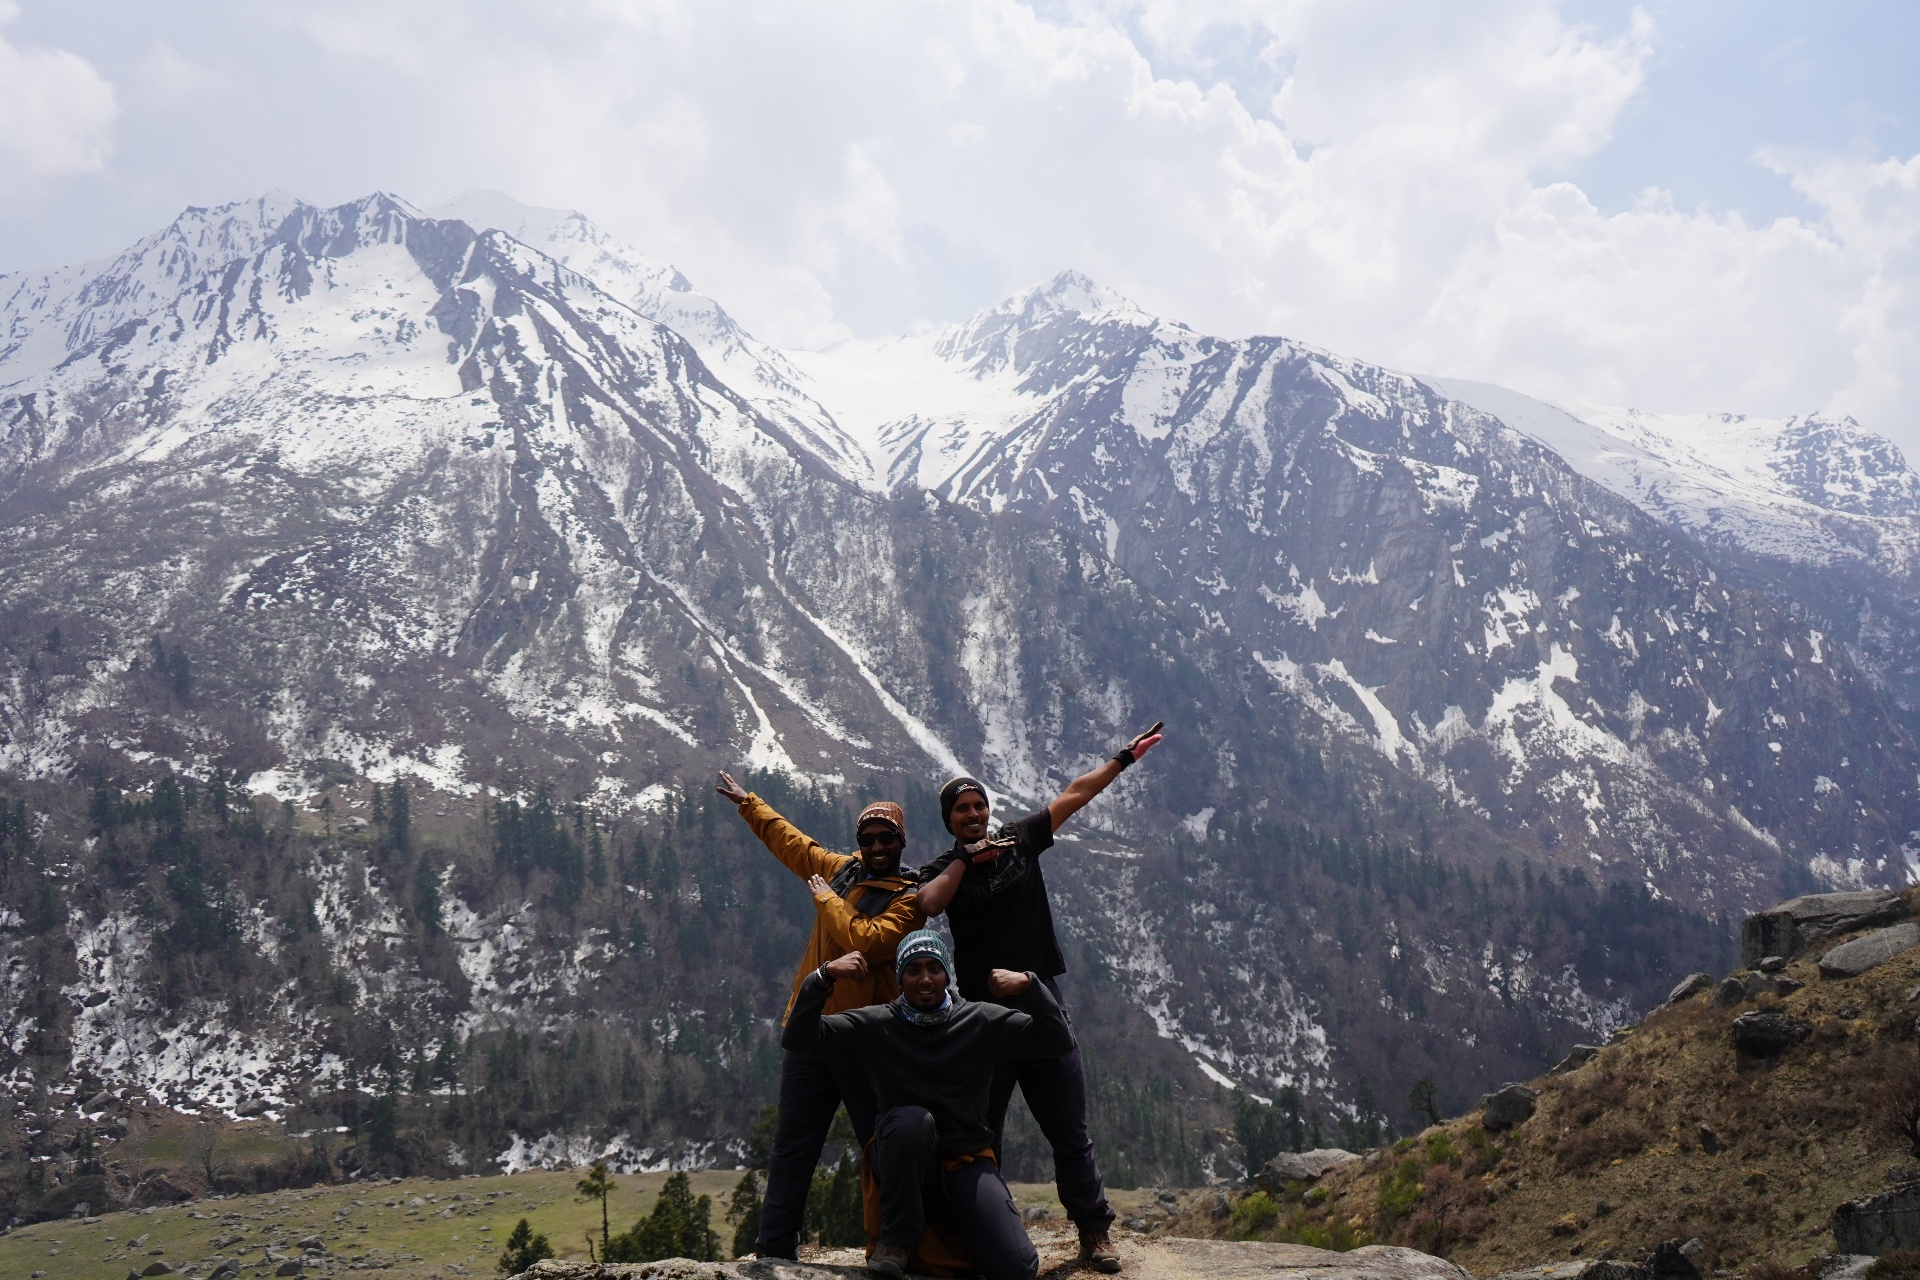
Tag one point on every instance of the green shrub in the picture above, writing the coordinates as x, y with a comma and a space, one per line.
1440, 1149
1255, 1215
1337, 1236
1896, 1264
1400, 1191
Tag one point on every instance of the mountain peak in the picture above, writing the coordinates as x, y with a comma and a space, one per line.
991, 337
1068, 293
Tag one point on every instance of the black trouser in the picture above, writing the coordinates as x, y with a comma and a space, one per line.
1056, 1094
811, 1090
906, 1163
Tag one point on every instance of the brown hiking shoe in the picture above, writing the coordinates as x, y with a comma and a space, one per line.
1096, 1250
889, 1260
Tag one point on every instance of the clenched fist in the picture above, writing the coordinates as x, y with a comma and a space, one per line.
850, 965
1004, 984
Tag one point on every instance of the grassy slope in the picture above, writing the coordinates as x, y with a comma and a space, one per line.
1613, 1161
417, 1242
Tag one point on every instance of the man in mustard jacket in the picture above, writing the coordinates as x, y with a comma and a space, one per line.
864, 903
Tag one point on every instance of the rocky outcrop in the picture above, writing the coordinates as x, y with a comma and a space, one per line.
1730, 991
1300, 1166
1166, 1258
1581, 1269
1690, 986
1768, 1033
1506, 1107
1850, 959
1792, 926
1673, 1260
1578, 1056
1881, 1223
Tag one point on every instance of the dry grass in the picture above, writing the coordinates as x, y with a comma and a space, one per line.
377, 1225
1612, 1162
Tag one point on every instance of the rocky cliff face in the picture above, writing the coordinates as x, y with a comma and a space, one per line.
316, 495
1817, 512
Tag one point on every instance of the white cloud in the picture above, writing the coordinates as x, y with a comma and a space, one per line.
56, 112
1390, 178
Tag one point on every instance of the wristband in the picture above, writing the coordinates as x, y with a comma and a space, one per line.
1125, 756
824, 975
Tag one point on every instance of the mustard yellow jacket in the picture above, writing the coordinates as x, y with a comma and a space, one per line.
838, 925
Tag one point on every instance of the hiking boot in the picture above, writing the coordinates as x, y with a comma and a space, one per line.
888, 1260
1096, 1250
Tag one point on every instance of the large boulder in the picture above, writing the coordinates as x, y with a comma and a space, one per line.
1673, 1260
1879, 1224
1852, 958
1164, 1258
1688, 987
1768, 1033
1581, 1269
1731, 991
1796, 924
1506, 1107
1300, 1166
1578, 1056
1842, 1266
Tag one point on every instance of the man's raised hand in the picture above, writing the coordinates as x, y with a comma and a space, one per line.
731, 789
850, 965
1139, 745
1004, 984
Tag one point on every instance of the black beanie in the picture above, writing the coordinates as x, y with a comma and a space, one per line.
950, 796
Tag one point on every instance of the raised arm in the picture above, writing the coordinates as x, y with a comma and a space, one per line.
1042, 1030
848, 930
836, 1035
1088, 785
800, 852
936, 893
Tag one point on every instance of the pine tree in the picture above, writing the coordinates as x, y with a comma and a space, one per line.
833, 1215
399, 818
679, 1227
426, 894
597, 1185
1259, 1128
743, 1210
524, 1248
1424, 1098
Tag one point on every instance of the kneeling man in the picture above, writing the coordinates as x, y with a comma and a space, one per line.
931, 1056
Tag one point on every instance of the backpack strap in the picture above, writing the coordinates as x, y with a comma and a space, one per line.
874, 900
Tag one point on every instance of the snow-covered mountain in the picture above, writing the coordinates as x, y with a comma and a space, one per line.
1819, 512
658, 291
1417, 570
1808, 490
490, 500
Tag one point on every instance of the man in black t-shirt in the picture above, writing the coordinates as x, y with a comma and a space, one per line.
1001, 919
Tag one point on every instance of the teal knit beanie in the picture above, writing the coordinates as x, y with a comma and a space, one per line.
923, 942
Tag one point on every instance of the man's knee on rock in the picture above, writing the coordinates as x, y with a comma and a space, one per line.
1019, 1267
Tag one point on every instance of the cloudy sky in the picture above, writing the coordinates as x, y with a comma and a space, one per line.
1681, 205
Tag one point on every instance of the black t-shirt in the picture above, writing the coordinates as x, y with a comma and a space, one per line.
1000, 917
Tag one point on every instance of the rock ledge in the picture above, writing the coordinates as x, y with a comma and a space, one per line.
1161, 1258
